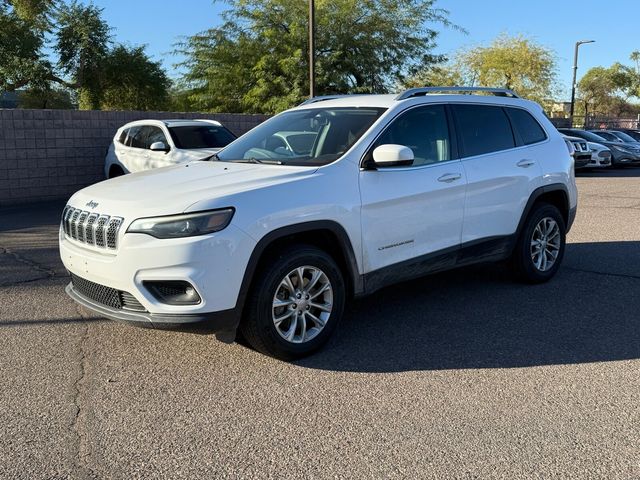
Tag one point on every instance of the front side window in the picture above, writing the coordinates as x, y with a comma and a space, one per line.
424, 130
527, 127
155, 134
308, 137
201, 136
483, 129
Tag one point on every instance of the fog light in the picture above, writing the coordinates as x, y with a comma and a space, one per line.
173, 292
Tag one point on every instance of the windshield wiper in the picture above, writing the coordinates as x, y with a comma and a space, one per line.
255, 160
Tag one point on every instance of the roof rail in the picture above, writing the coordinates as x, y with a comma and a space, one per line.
418, 92
321, 99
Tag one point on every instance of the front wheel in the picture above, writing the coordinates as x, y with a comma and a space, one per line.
540, 247
295, 303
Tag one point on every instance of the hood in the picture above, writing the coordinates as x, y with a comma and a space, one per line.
172, 190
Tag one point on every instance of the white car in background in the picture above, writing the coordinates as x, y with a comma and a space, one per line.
600, 156
146, 144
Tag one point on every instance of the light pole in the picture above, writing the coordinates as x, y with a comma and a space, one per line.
573, 83
312, 49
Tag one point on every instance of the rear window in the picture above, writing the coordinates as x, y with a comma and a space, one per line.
483, 129
201, 136
527, 127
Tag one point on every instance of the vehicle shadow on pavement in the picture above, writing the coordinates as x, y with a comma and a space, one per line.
478, 317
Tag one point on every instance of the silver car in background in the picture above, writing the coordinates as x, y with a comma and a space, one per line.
600, 156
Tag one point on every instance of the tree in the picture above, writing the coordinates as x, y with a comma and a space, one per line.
517, 63
132, 81
87, 61
257, 60
51, 97
436, 76
607, 90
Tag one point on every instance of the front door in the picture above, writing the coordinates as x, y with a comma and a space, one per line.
411, 214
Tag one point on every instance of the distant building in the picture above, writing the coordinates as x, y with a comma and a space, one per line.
560, 110
9, 99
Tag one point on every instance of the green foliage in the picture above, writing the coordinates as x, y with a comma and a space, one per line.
606, 91
257, 61
47, 97
100, 75
131, 81
436, 76
517, 63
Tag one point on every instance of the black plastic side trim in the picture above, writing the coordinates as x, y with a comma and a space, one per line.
334, 227
535, 195
484, 250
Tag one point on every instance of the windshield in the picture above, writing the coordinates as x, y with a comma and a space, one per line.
592, 137
624, 137
309, 137
201, 136
608, 136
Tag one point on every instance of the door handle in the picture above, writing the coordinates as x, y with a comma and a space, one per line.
525, 163
449, 177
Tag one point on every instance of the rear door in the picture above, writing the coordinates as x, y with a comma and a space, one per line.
502, 171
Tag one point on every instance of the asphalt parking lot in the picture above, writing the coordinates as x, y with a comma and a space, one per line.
460, 375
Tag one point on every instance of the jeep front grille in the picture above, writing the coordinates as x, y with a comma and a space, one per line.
91, 228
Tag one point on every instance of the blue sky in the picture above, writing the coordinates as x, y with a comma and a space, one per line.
556, 24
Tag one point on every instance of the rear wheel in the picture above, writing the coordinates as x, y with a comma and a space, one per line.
541, 245
295, 303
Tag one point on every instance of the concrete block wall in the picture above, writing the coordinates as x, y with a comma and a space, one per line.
50, 154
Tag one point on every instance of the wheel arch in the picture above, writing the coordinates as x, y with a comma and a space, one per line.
328, 235
557, 195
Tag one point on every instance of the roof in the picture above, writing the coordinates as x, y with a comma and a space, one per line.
389, 101
177, 122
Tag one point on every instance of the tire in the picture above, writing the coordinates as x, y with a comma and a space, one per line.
307, 332
115, 171
540, 268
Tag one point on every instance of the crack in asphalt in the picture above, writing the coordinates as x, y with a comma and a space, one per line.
83, 449
49, 273
595, 272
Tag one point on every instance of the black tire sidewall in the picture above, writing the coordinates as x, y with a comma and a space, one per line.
259, 313
524, 264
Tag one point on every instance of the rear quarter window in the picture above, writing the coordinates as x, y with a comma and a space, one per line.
526, 126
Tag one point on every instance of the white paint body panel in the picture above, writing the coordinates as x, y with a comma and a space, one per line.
376, 209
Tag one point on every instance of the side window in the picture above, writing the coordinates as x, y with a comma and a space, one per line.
123, 136
137, 137
155, 134
483, 129
424, 130
527, 127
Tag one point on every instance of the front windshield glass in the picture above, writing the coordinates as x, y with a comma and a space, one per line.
309, 137
624, 137
608, 136
592, 137
201, 136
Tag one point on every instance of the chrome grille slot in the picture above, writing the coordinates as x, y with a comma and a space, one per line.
81, 225
112, 232
91, 228
74, 224
102, 221
89, 231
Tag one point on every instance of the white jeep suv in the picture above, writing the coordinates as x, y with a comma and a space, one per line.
146, 144
275, 236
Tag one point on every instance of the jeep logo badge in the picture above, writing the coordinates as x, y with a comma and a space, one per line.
92, 204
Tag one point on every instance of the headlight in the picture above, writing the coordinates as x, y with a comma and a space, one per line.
186, 225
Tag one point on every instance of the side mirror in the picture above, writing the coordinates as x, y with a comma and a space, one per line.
158, 147
392, 155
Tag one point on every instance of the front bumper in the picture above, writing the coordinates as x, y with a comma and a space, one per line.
223, 322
